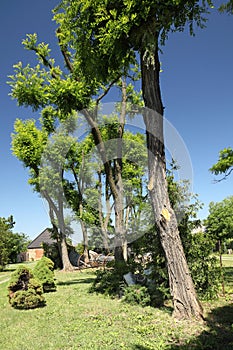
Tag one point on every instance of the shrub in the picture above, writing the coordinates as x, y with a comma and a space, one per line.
51, 251
43, 271
24, 291
137, 294
47, 262
203, 265
110, 280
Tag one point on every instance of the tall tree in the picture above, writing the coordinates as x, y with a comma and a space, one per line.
110, 34
28, 145
99, 41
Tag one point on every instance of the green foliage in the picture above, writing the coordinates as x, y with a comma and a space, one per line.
109, 33
94, 321
28, 143
224, 164
203, 265
11, 244
19, 243
51, 251
30, 298
45, 84
45, 261
227, 7
110, 280
5, 236
43, 271
79, 248
24, 291
219, 223
136, 294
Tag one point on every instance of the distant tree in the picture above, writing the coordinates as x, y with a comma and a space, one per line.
224, 165
5, 236
11, 244
19, 243
219, 223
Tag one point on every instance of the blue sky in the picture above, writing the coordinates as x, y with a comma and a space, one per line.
197, 89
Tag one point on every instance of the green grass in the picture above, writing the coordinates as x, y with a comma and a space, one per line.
75, 319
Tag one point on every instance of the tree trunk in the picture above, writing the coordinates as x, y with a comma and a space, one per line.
67, 266
119, 253
185, 301
85, 242
114, 179
104, 221
58, 212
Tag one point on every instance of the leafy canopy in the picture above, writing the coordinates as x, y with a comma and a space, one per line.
109, 32
219, 222
224, 164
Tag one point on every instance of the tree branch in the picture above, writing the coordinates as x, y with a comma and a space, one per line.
225, 176
107, 90
64, 53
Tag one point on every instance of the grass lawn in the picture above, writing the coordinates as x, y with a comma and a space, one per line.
76, 319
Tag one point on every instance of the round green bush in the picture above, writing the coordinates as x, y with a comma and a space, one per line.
30, 298
24, 291
43, 271
47, 262
137, 294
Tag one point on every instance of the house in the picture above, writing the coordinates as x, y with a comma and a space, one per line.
35, 250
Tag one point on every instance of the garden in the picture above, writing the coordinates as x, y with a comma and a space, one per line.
74, 318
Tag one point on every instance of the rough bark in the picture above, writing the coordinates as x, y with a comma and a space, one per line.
104, 221
85, 241
67, 266
60, 228
121, 243
113, 174
185, 301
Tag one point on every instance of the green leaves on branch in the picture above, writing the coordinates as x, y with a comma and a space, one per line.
227, 7
219, 222
224, 164
109, 33
46, 85
28, 143
29, 86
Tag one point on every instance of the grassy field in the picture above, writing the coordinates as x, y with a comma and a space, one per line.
75, 319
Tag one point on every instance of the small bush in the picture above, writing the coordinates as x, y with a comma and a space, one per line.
51, 251
137, 294
109, 281
24, 291
43, 271
47, 262
203, 266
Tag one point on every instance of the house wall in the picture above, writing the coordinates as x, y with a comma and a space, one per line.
35, 254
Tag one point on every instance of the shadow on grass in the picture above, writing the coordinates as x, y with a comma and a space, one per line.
220, 334
76, 281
